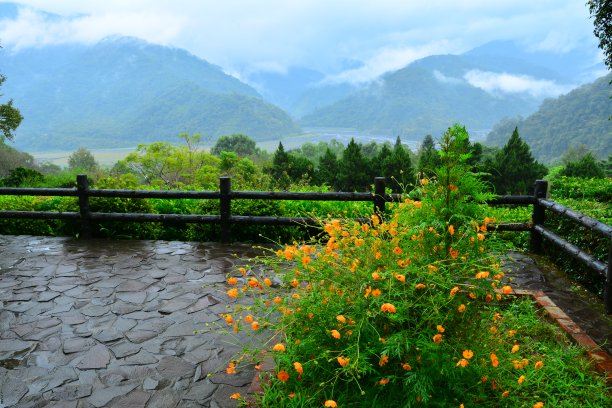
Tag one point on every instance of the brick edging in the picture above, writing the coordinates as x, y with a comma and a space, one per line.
600, 358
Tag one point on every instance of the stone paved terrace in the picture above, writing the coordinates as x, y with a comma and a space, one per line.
111, 323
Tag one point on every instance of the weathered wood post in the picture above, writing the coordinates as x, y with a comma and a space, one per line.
225, 208
83, 190
379, 196
608, 288
538, 216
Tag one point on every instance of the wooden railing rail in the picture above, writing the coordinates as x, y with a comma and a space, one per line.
379, 198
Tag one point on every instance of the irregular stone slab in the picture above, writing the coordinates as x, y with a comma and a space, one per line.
8, 283
141, 315
200, 391
64, 404
124, 325
46, 323
94, 310
132, 297
108, 335
166, 398
12, 345
123, 308
102, 396
138, 336
47, 296
72, 319
60, 376
135, 399
108, 283
78, 344
70, 392
186, 328
174, 367
132, 286
125, 349
113, 379
150, 384
175, 305
61, 288
21, 297
11, 391
143, 357
203, 303
170, 279
60, 309
97, 357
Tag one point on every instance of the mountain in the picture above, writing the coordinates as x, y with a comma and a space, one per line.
579, 117
124, 91
431, 94
298, 90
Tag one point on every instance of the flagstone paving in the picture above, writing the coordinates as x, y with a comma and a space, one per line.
113, 323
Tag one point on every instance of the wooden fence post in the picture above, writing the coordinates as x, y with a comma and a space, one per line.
83, 190
225, 208
608, 288
537, 216
379, 196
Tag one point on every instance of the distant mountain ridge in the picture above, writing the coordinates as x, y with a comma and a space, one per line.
117, 93
579, 117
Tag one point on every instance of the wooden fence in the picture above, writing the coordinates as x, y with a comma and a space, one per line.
225, 219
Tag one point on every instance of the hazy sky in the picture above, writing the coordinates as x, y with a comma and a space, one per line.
247, 35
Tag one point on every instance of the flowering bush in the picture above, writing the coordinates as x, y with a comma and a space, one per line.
408, 309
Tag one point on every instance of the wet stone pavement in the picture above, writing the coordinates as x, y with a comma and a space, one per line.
112, 323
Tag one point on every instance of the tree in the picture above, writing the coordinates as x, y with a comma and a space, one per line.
10, 117
328, 169
353, 169
514, 169
82, 159
238, 143
601, 12
396, 166
585, 167
429, 159
280, 168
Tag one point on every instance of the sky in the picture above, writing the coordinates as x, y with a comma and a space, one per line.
352, 41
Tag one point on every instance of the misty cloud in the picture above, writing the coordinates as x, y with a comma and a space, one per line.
440, 77
493, 82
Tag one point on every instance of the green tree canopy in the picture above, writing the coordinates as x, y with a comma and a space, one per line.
238, 143
396, 166
429, 159
328, 169
353, 169
10, 117
514, 168
585, 167
83, 160
601, 11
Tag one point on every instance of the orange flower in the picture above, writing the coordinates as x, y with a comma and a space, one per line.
511, 333
255, 325
468, 354
521, 379
480, 236
253, 282
437, 338
482, 275
453, 253
277, 300
341, 319
228, 319
243, 271
231, 368
384, 359
400, 278
515, 348
539, 404
267, 282
296, 296
279, 347
367, 291
432, 268
306, 260
384, 381
488, 298
375, 275
538, 364
472, 295
283, 375
505, 394
232, 281
397, 250
233, 293
440, 328
507, 290
294, 283
335, 334
376, 292
343, 361
463, 362
406, 367
451, 230
235, 395
494, 360
388, 307
420, 286
331, 404
454, 291
298, 367
461, 308
248, 319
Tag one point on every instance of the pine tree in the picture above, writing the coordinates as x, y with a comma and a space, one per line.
586, 167
353, 171
328, 169
514, 169
396, 166
429, 159
280, 168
